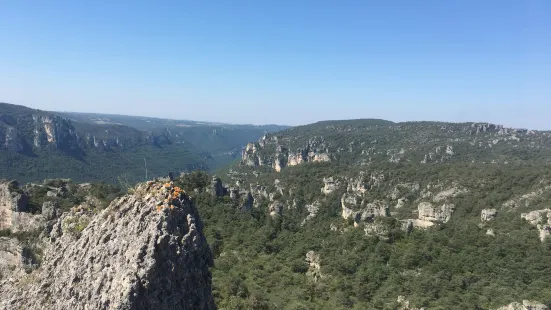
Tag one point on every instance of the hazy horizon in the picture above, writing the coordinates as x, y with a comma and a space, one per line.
283, 63
282, 124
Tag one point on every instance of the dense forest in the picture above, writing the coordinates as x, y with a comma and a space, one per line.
261, 261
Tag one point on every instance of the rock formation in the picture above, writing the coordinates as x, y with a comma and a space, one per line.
353, 207
15, 259
314, 268
541, 219
429, 212
312, 212
329, 185
275, 208
488, 215
145, 251
403, 304
216, 188
525, 305
14, 214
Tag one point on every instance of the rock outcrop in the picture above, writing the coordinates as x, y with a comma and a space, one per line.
14, 214
250, 156
275, 208
354, 207
541, 219
216, 188
409, 224
403, 304
314, 266
525, 305
429, 212
15, 259
145, 251
329, 185
312, 212
488, 215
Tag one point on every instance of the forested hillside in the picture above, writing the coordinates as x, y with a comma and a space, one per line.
368, 214
39, 144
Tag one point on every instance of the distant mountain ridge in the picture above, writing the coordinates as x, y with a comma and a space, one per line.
363, 142
40, 144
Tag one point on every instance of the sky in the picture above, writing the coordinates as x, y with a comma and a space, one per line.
284, 62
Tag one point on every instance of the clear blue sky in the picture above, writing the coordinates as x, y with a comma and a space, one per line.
287, 62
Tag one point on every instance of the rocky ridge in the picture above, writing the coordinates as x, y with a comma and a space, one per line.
145, 251
366, 141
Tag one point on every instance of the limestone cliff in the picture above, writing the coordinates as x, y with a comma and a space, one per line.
145, 251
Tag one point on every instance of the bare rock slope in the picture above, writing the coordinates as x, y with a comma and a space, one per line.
145, 251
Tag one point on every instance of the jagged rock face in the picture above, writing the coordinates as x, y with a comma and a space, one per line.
349, 203
12, 140
13, 209
278, 164
488, 215
216, 188
250, 156
362, 211
246, 200
234, 192
56, 131
145, 251
322, 157
428, 212
295, 159
525, 305
14, 259
49, 210
275, 208
329, 185
254, 154
312, 212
